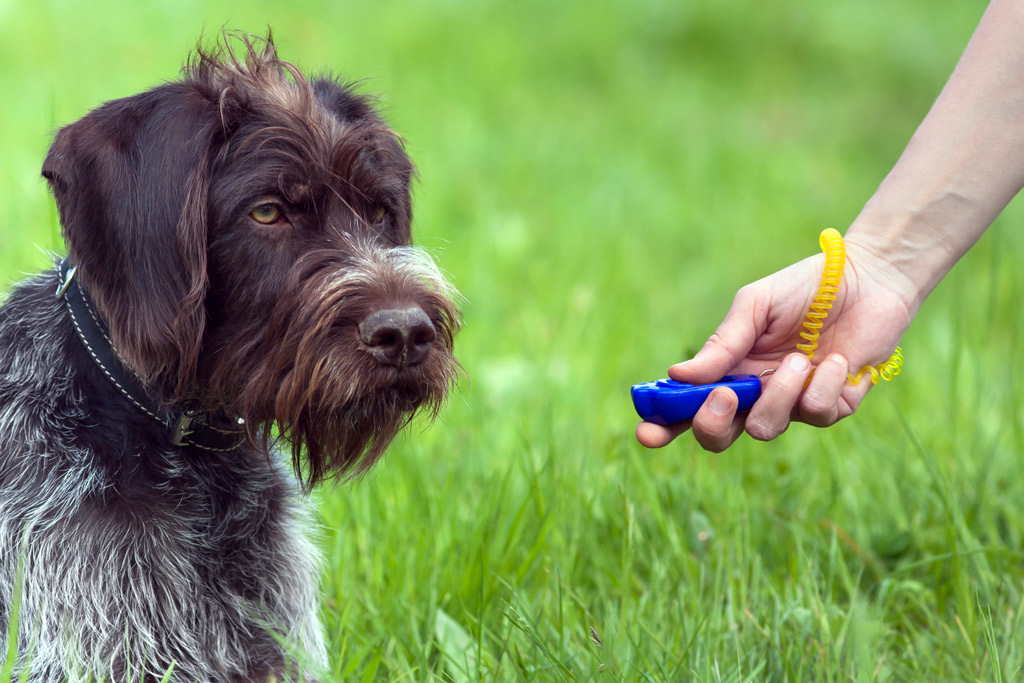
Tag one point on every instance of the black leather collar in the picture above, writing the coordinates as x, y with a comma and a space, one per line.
186, 428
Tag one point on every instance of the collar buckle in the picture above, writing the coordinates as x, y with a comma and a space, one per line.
181, 429
188, 428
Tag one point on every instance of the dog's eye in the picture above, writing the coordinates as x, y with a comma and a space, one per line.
379, 215
267, 213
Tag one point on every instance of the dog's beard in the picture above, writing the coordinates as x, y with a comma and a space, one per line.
303, 378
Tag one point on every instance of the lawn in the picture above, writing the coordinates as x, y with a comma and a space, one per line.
598, 179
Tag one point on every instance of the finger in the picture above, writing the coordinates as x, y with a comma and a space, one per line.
730, 344
771, 413
819, 403
657, 436
853, 394
715, 426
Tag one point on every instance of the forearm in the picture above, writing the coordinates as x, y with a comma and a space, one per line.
964, 163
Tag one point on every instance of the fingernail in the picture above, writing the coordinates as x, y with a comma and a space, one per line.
799, 362
720, 404
840, 359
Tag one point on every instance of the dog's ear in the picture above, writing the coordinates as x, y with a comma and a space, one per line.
131, 184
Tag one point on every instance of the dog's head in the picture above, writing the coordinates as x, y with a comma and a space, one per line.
244, 232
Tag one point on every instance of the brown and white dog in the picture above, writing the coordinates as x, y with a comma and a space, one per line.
239, 282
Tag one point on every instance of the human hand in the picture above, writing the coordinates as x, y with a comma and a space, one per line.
873, 308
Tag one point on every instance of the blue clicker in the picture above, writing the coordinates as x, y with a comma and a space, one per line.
666, 401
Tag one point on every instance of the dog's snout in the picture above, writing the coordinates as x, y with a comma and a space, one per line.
398, 336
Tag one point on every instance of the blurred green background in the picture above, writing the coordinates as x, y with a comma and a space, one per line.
598, 179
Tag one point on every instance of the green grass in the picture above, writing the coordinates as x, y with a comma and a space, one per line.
598, 179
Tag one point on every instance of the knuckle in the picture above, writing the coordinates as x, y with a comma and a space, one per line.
814, 404
787, 387
712, 445
763, 430
716, 340
745, 293
714, 435
817, 420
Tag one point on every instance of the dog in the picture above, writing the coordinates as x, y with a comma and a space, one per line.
239, 318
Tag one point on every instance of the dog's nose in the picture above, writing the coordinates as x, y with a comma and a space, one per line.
398, 336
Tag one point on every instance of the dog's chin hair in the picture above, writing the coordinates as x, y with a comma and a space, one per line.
339, 432
312, 387
142, 546
343, 443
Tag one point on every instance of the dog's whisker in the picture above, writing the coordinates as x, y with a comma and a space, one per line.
247, 320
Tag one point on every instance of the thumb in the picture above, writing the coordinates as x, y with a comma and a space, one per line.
724, 350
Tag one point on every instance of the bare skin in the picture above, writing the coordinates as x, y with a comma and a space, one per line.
961, 167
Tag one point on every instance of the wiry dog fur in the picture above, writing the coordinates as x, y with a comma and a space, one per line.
129, 554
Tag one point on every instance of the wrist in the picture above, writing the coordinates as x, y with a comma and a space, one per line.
918, 244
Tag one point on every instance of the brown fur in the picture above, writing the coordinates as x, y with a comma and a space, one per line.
217, 313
